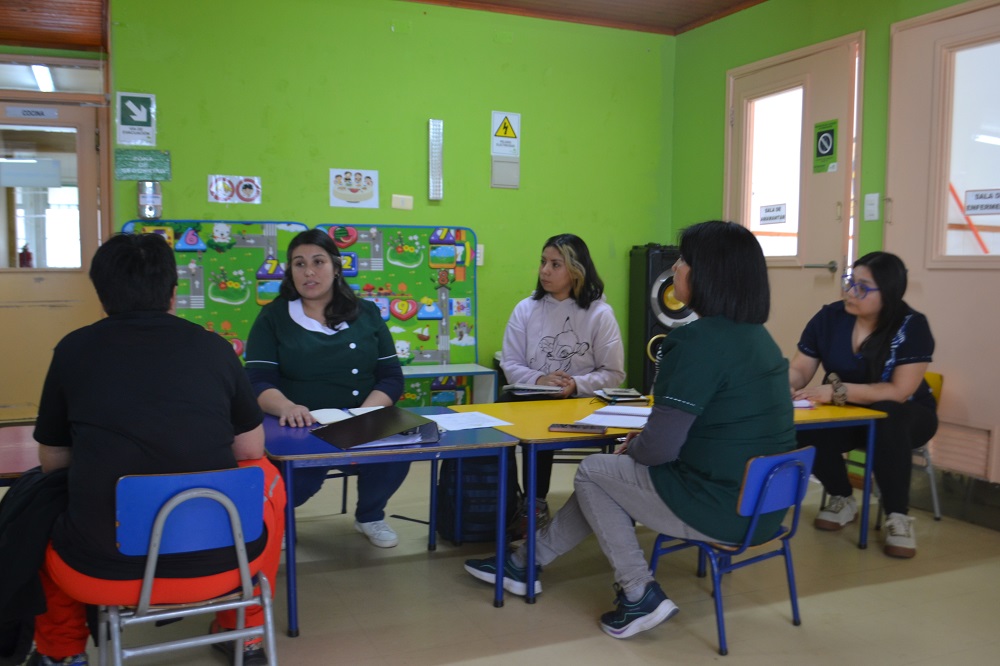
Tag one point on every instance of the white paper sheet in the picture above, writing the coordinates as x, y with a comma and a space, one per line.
330, 415
465, 421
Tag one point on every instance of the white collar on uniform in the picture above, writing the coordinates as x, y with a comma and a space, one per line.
298, 315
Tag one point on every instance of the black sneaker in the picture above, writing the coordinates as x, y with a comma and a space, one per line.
629, 618
515, 579
518, 528
253, 648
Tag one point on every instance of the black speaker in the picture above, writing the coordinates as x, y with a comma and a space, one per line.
653, 309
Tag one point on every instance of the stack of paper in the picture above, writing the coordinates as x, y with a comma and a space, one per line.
619, 416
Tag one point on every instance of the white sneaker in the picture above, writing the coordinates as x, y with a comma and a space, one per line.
378, 532
900, 541
838, 512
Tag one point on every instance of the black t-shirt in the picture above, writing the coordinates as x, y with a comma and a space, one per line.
139, 393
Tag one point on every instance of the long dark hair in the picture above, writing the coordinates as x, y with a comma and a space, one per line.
728, 275
889, 273
587, 285
344, 304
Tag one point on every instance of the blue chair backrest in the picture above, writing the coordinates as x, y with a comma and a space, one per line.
198, 524
785, 477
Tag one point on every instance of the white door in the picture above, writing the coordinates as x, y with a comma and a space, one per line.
49, 221
790, 168
943, 214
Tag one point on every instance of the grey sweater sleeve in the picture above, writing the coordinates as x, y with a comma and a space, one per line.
662, 438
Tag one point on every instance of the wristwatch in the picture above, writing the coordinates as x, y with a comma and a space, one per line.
839, 390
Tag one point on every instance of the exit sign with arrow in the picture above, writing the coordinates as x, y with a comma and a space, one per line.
136, 119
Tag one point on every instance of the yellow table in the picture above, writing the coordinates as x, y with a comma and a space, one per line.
831, 416
530, 424
531, 419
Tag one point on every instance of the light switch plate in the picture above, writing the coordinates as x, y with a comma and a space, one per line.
402, 201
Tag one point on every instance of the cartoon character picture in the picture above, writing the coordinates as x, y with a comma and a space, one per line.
558, 350
403, 352
222, 238
463, 335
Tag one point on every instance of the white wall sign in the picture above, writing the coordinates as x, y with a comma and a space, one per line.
982, 202
505, 134
48, 113
234, 189
773, 214
136, 119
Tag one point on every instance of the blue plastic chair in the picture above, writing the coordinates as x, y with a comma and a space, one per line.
179, 513
770, 483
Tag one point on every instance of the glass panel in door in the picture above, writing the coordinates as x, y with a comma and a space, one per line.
38, 184
973, 219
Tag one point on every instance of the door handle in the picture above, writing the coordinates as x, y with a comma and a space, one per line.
832, 266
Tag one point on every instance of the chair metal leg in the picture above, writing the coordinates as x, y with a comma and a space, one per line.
931, 479
269, 638
720, 621
114, 629
786, 550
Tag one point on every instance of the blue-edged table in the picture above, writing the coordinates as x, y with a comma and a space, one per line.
531, 421
293, 448
831, 416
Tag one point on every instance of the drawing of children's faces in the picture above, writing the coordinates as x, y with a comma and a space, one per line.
368, 181
338, 179
357, 177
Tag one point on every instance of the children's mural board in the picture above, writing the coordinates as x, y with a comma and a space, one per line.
421, 278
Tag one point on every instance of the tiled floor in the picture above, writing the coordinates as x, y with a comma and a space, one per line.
405, 605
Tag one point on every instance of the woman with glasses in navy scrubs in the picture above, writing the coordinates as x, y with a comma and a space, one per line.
874, 349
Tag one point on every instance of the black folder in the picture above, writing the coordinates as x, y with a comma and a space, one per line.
375, 425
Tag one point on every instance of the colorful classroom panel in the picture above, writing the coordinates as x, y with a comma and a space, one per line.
423, 280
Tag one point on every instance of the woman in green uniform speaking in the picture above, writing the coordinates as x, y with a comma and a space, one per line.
319, 346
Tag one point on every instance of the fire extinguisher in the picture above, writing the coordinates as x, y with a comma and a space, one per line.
24, 258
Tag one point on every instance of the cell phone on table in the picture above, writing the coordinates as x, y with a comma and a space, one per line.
578, 427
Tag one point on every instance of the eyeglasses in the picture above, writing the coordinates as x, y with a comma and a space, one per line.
857, 289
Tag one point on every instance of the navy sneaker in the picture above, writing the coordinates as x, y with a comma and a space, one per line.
515, 578
629, 618
253, 648
38, 659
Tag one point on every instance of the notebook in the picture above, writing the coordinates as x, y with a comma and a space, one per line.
379, 427
619, 416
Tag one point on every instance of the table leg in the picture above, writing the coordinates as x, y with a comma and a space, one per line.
529, 454
290, 573
432, 536
866, 498
501, 534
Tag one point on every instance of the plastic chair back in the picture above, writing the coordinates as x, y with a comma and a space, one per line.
178, 513
197, 524
771, 485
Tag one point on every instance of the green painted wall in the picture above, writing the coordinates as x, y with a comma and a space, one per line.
286, 90
622, 132
705, 55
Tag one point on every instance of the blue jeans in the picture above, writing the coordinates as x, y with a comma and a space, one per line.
376, 484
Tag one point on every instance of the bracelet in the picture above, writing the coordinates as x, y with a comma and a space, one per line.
839, 390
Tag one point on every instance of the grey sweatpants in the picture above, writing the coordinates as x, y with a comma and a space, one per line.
609, 492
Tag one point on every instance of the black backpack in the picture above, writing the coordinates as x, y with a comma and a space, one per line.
479, 499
